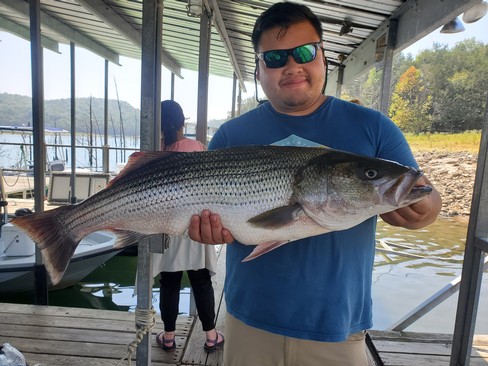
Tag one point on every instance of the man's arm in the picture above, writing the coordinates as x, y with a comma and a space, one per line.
419, 214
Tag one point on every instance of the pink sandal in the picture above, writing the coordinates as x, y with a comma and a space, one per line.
165, 342
216, 345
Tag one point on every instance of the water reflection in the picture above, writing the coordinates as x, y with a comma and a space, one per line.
401, 282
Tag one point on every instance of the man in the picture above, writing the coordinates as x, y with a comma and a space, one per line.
309, 302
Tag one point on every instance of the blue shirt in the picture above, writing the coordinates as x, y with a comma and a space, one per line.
317, 288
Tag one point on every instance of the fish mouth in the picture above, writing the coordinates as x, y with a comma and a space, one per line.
405, 190
416, 193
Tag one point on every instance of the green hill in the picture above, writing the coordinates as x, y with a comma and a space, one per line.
16, 110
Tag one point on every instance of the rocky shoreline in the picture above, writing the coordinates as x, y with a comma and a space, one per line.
452, 173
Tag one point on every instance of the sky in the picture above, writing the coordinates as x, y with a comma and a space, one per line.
15, 73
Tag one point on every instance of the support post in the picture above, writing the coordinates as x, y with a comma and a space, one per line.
152, 13
474, 254
387, 67
40, 275
203, 70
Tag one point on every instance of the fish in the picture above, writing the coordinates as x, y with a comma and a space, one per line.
266, 196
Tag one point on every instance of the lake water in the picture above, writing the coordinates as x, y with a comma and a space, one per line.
20, 156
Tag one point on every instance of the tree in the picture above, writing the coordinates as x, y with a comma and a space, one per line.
246, 105
457, 79
372, 91
411, 104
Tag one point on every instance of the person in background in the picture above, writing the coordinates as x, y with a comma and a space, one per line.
184, 254
307, 303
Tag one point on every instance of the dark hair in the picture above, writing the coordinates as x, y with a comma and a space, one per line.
172, 119
283, 15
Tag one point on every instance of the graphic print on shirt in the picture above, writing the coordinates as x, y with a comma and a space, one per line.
294, 140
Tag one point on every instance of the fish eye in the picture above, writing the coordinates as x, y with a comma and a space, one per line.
371, 173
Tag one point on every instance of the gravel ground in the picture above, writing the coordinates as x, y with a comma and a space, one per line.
452, 173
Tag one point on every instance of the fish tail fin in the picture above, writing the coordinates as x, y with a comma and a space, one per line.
57, 244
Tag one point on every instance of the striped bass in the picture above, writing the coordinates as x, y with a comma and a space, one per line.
265, 195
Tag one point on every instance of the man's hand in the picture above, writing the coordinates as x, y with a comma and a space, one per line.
207, 229
419, 214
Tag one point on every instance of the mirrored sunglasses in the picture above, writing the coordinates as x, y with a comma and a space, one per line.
278, 58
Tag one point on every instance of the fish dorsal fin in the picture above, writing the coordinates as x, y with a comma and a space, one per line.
138, 159
277, 217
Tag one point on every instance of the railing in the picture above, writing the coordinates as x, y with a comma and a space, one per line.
106, 150
429, 304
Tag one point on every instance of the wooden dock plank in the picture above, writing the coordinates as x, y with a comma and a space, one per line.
402, 359
71, 336
194, 353
217, 357
60, 311
61, 360
408, 348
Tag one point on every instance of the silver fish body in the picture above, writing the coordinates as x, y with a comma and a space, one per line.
265, 196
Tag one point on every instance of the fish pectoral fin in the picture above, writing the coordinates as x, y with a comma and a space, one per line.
277, 217
264, 248
126, 237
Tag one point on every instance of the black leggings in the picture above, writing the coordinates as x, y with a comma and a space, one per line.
201, 284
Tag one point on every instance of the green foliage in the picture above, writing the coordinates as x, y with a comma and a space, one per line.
371, 93
454, 80
246, 105
16, 110
458, 78
411, 103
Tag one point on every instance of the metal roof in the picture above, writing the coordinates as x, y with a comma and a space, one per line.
111, 28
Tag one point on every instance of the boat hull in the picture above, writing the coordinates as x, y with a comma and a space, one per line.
17, 275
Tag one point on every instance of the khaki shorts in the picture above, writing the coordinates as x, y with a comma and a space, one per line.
248, 346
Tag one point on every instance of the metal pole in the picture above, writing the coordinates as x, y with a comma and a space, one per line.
73, 124
106, 147
340, 78
203, 70
474, 254
388, 66
234, 96
40, 274
152, 13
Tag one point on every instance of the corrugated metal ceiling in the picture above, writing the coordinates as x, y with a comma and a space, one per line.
113, 27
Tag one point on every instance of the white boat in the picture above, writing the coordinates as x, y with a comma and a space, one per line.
17, 259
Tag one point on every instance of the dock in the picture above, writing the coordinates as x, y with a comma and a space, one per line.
18, 186
55, 336
413, 348
58, 336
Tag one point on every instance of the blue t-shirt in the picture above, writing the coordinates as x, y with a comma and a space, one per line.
317, 288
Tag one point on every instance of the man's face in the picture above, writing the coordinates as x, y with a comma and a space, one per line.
294, 89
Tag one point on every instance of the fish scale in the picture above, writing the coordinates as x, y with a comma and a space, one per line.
265, 195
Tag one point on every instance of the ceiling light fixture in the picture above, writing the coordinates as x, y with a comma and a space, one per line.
476, 12
194, 8
453, 26
346, 28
